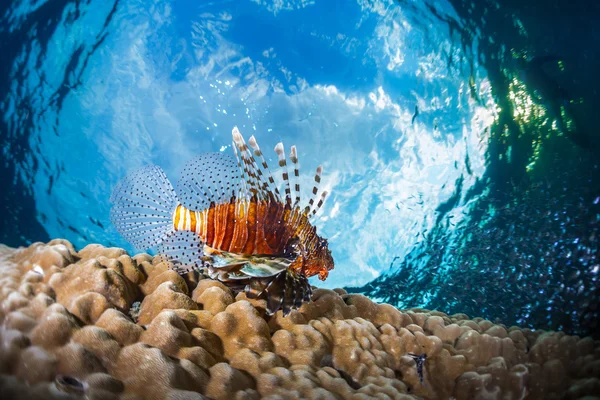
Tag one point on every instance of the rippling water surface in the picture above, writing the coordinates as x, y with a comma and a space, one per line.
457, 139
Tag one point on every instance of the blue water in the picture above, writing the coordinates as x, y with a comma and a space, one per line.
419, 203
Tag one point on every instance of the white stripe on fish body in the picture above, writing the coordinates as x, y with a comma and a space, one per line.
204, 223
175, 222
180, 222
188, 220
198, 216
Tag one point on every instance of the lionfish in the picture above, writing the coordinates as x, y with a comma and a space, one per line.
227, 217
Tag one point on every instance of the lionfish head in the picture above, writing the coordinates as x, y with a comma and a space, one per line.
319, 261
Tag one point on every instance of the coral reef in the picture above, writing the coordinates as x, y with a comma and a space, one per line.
100, 324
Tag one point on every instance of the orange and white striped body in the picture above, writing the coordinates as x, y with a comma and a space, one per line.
251, 228
186, 220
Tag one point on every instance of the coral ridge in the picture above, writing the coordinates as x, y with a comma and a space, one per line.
101, 324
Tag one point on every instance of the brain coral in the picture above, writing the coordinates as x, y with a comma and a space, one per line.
67, 332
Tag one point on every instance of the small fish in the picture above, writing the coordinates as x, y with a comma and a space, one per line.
415, 115
227, 216
554, 97
420, 361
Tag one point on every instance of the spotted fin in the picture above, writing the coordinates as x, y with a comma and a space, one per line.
184, 250
208, 178
143, 204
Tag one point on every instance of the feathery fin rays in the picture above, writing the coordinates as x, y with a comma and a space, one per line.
210, 178
184, 250
143, 205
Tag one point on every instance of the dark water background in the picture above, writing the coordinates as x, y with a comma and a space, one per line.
530, 256
529, 253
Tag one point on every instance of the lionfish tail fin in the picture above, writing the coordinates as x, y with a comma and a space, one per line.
143, 205
183, 251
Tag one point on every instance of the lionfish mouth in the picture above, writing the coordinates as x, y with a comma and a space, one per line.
227, 216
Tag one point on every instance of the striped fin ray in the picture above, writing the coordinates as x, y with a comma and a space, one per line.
255, 185
284, 172
244, 193
319, 203
282, 292
315, 190
208, 178
286, 291
264, 170
296, 177
184, 250
143, 204
275, 293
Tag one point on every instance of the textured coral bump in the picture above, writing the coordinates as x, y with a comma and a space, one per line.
99, 324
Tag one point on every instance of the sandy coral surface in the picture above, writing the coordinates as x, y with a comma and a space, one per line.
100, 324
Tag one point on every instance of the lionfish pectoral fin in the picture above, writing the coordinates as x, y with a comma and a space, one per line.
264, 268
289, 295
233, 267
143, 205
287, 292
275, 292
255, 288
184, 250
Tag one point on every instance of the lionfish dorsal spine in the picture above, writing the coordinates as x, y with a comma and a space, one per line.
264, 171
311, 209
258, 181
320, 203
296, 177
248, 168
284, 171
244, 193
